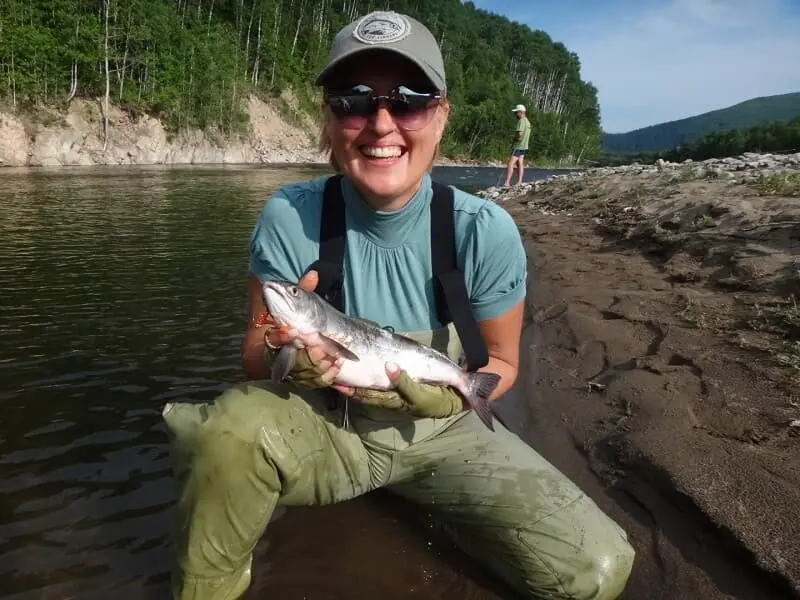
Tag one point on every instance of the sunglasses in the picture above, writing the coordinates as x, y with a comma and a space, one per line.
353, 107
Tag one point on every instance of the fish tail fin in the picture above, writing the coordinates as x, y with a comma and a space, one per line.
480, 386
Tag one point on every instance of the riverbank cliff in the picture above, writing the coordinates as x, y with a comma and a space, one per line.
278, 132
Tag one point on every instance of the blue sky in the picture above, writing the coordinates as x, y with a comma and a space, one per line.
655, 61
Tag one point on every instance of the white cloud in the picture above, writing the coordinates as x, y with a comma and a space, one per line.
659, 62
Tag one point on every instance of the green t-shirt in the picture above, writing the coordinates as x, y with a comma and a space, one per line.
388, 276
524, 126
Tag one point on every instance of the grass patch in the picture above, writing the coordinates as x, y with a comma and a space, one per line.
634, 195
789, 356
701, 317
781, 322
779, 184
781, 318
774, 327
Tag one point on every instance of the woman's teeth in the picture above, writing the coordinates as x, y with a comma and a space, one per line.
382, 151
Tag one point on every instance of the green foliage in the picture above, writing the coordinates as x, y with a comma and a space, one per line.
779, 184
781, 137
192, 63
758, 111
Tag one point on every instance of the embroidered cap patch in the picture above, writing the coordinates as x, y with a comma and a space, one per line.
382, 27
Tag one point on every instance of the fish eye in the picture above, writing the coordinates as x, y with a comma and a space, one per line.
294, 291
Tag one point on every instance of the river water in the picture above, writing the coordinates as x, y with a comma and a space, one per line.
122, 289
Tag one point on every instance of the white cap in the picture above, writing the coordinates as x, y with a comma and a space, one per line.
519, 107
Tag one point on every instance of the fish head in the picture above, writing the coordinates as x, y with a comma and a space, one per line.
292, 306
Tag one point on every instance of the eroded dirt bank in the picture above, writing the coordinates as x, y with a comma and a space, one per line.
664, 349
75, 138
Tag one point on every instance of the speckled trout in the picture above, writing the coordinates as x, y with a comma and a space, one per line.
365, 348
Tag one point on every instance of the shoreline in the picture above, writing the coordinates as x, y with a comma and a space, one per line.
664, 348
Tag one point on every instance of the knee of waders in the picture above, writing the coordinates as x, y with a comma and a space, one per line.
240, 430
607, 566
255, 428
577, 553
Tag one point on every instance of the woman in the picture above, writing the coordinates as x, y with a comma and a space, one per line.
380, 240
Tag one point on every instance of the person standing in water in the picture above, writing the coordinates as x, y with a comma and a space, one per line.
381, 240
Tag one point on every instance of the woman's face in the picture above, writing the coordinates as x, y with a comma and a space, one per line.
383, 156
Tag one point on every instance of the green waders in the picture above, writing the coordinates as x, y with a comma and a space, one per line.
260, 444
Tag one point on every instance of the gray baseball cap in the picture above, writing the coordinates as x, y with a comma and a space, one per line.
395, 32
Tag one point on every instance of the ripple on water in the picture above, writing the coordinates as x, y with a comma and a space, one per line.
122, 289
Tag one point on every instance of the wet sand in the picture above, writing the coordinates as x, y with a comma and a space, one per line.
672, 300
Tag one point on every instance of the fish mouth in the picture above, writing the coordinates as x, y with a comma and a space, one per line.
276, 299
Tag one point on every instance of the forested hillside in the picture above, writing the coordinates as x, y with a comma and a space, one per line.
776, 138
751, 113
193, 63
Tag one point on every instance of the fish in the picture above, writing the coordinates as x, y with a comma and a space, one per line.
364, 348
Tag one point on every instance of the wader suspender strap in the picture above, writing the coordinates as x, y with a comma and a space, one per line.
330, 265
452, 299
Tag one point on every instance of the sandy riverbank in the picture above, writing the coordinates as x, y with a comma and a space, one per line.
75, 137
664, 349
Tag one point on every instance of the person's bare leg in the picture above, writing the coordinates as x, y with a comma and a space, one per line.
521, 169
512, 162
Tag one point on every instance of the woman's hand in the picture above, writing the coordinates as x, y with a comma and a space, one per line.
312, 367
418, 399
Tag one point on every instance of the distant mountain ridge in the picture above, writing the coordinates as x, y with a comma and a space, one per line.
757, 111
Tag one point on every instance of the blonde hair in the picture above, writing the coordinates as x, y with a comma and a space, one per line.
325, 145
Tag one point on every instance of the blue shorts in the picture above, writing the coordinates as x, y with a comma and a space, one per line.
518, 153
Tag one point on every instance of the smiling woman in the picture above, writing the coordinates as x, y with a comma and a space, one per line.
380, 150
383, 242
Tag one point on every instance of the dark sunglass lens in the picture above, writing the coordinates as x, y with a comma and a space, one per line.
350, 104
355, 100
406, 100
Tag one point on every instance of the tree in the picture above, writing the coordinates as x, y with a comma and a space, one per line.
192, 63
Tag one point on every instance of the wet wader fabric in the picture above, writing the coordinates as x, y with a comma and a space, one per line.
259, 444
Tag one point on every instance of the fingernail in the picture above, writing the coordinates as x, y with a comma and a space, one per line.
392, 367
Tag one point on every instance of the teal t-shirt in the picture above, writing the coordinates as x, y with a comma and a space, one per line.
388, 276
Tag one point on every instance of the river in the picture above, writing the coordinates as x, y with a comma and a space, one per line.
122, 289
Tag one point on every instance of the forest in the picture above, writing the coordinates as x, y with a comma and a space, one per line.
782, 137
193, 63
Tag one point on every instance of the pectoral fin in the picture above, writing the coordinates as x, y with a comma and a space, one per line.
337, 349
283, 363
